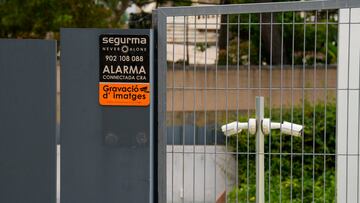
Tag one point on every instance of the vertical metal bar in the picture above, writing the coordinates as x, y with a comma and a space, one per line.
347, 106
303, 111
292, 103
152, 123
205, 108
216, 85
227, 87
194, 111
358, 149
337, 120
248, 114
314, 105
183, 112
281, 97
260, 169
325, 97
270, 102
173, 114
237, 107
260, 44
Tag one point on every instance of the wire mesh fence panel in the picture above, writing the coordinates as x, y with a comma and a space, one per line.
219, 62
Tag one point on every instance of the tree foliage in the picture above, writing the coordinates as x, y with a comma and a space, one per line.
144, 20
36, 18
320, 39
39, 18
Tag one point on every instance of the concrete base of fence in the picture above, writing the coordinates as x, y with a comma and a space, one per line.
199, 173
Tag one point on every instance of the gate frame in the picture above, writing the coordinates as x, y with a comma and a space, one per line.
159, 23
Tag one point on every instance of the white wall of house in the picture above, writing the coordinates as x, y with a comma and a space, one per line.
196, 30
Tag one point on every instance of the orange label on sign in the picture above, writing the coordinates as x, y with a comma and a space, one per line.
124, 94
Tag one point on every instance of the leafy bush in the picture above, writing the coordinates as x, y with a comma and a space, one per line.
297, 168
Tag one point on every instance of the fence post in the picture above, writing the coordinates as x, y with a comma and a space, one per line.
160, 70
260, 171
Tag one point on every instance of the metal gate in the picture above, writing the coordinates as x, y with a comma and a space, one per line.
27, 121
302, 60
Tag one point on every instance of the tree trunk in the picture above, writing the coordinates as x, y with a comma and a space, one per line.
223, 29
276, 39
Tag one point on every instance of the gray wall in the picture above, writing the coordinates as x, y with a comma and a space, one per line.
239, 85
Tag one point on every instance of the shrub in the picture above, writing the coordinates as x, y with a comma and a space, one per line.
299, 168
